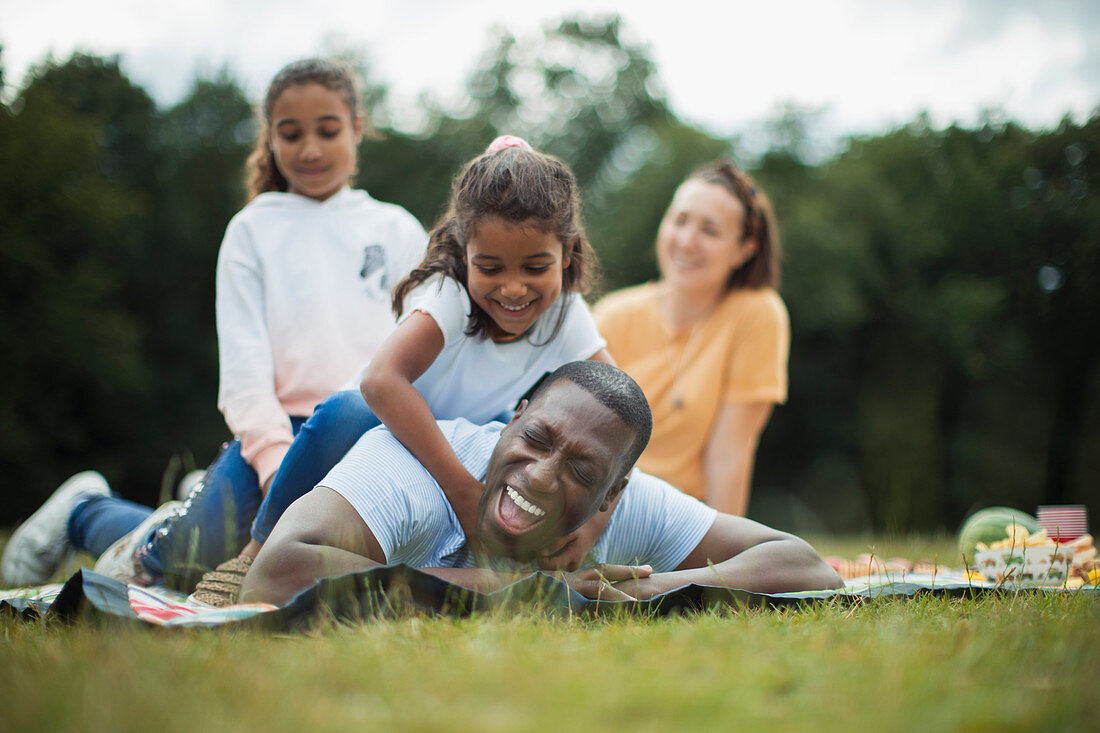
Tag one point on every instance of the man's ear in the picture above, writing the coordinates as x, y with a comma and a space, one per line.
613, 493
519, 410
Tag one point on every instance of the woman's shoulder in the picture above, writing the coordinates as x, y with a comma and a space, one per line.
759, 304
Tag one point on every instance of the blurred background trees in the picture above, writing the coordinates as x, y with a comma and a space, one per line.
942, 283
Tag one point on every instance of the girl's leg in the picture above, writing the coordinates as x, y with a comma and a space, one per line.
210, 526
97, 522
325, 437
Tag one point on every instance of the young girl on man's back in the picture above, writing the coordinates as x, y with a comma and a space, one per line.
495, 304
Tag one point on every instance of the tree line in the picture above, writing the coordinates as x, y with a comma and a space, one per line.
942, 282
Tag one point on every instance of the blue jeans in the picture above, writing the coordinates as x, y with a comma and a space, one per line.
98, 521
211, 526
335, 426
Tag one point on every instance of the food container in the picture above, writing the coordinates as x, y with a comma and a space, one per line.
1041, 565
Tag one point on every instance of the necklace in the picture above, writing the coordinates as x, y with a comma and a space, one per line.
674, 357
676, 366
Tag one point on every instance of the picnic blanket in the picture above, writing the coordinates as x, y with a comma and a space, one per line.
396, 589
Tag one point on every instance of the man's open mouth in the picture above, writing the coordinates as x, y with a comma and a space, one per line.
528, 506
516, 513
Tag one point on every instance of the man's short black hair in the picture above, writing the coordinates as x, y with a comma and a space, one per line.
615, 390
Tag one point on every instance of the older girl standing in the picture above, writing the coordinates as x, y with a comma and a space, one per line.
303, 298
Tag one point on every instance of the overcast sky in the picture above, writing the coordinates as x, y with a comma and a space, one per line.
728, 65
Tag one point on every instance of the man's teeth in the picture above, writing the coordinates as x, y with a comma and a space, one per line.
523, 503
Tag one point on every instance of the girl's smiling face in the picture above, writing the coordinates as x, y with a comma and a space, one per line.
514, 273
313, 138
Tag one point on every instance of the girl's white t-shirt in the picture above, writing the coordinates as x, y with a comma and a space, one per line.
477, 378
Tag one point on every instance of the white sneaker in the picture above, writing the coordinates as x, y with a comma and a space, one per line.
118, 562
37, 548
189, 481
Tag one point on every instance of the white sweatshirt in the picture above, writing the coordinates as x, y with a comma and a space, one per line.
303, 299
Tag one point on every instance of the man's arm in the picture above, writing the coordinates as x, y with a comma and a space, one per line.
319, 536
740, 553
322, 536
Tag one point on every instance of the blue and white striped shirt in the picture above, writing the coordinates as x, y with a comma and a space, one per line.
653, 524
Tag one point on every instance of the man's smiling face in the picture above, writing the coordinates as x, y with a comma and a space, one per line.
557, 462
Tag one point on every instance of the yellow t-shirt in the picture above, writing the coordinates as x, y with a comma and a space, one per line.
737, 354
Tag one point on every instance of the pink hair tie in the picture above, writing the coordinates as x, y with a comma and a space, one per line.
507, 141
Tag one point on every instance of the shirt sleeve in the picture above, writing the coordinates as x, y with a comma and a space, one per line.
446, 302
375, 477
760, 349
653, 524
246, 390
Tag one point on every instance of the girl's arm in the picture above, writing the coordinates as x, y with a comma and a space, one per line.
730, 453
387, 387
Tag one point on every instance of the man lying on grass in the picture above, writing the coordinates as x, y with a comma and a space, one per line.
566, 454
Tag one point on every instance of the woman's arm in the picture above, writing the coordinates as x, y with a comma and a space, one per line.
730, 453
387, 387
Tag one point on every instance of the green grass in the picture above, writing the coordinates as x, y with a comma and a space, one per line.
1011, 663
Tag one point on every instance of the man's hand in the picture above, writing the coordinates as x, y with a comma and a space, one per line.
597, 583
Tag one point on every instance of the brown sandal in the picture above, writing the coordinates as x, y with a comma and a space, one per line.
221, 586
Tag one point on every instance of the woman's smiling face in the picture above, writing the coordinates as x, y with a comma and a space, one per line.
699, 243
514, 273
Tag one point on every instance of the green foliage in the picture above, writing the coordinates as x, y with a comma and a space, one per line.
923, 343
941, 282
112, 223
